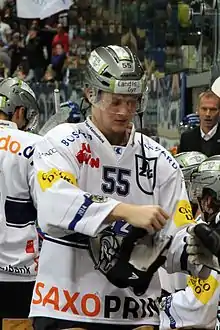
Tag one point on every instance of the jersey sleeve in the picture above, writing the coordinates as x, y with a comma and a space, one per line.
174, 201
196, 306
62, 206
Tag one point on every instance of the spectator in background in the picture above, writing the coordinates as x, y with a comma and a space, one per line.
97, 36
8, 19
49, 75
35, 24
128, 39
12, 5
206, 137
58, 61
114, 37
16, 51
5, 61
22, 29
35, 54
61, 38
47, 33
5, 31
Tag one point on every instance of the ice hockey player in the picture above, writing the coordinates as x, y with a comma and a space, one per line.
18, 236
104, 181
190, 302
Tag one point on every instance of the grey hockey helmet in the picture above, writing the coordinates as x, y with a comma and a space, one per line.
115, 69
205, 185
188, 162
16, 93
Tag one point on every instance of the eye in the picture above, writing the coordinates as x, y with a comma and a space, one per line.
132, 103
116, 102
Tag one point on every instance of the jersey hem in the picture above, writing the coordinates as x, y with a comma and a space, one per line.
89, 320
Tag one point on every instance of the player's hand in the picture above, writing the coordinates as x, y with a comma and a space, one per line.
149, 217
202, 245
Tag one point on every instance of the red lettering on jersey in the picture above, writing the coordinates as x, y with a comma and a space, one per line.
38, 286
91, 305
84, 156
30, 246
53, 297
96, 302
70, 300
86, 147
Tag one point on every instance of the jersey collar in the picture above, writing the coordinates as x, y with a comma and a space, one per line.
101, 136
7, 123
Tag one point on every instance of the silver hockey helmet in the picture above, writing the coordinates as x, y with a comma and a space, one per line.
16, 93
188, 162
116, 70
205, 186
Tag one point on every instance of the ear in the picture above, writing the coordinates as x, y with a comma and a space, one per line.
21, 111
91, 95
209, 201
16, 113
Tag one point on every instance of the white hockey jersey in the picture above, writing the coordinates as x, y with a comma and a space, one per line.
80, 178
192, 303
18, 238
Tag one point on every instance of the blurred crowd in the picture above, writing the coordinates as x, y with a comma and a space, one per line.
166, 38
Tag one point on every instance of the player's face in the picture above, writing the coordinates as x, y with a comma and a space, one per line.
117, 111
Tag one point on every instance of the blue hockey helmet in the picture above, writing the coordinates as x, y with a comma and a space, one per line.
189, 122
74, 113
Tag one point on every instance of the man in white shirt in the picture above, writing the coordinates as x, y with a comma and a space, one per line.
5, 32
206, 137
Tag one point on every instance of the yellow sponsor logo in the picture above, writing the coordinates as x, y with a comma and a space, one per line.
47, 179
183, 214
203, 290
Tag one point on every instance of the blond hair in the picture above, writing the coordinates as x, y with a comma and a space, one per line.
208, 95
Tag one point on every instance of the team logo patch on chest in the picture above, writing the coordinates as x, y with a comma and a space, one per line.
146, 173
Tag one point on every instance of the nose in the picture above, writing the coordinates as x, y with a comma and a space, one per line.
124, 109
208, 112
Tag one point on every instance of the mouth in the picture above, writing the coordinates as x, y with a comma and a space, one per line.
121, 121
208, 121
